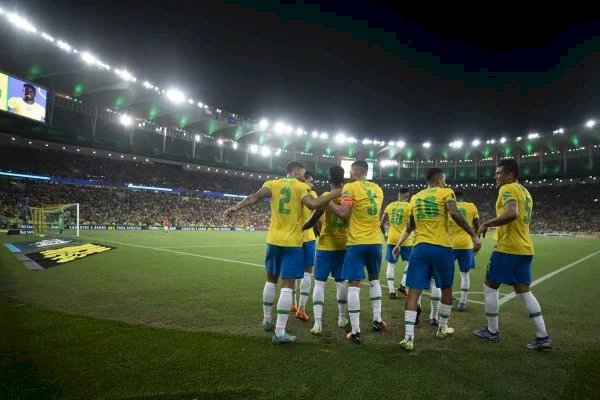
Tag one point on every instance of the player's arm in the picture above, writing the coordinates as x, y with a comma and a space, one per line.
476, 224
382, 224
254, 198
314, 203
309, 223
410, 227
511, 212
462, 222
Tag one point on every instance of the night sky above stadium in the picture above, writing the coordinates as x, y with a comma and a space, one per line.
369, 71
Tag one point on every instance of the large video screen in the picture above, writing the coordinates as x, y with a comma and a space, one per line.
347, 163
22, 98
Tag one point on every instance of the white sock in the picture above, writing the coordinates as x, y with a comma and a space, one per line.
318, 299
305, 289
436, 296
419, 299
445, 310
354, 308
492, 305
403, 282
268, 300
465, 283
342, 298
375, 294
390, 277
535, 313
409, 324
283, 310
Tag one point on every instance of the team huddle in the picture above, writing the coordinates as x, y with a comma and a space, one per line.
430, 232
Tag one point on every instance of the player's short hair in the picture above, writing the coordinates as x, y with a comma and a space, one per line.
361, 165
292, 165
29, 85
308, 174
403, 191
459, 194
336, 175
433, 174
510, 165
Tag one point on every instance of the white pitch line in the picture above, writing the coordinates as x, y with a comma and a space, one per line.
548, 276
210, 246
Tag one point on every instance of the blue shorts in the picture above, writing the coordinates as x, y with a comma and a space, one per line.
404, 253
329, 262
466, 259
360, 256
510, 269
427, 261
286, 262
309, 253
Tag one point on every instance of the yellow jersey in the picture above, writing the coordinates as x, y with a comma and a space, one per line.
461, 239
308, 235
363, 223
333, 232
428, 208
514, 238
21, 107
398, 213
285, 228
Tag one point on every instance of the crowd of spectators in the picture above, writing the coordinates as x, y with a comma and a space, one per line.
567, 207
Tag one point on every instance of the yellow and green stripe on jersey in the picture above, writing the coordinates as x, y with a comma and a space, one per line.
398, 213
461, 239
428, 208
287, 210
514, 237
363, 223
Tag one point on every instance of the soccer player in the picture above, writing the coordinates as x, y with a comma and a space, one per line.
510, 262
360, 207
61, 224
397, 213
27, 106
331, 249
166, 225
462, 246
308, 247
432, 251
284, 255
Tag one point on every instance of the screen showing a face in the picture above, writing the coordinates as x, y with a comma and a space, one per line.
346, 164
22, 98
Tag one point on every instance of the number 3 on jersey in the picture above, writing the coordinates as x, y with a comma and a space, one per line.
287, 193
373, 199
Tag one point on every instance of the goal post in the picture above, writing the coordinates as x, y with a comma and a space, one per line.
55, 219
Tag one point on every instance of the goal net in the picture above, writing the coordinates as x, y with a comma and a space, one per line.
55, 219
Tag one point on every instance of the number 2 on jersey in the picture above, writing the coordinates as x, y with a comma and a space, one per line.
287, 193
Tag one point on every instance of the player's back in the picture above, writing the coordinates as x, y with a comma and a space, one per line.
460, 238
428, 208
333, 232
308, 235
514, 237
285, 228
363, 223
398, 213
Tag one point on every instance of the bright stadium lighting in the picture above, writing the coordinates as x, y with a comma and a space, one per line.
340, 138
503, 140
533, 136
591, 123
21, 22
125, 75
220, 142
253, 149
88, 58
265, 151
197, 138
263, 124
518, 138
315, 134
191, 101
475, 143
324, 136
351, 140
493, 141
125, 120
288, 129
391, 143
279, 128
367, 141
63, 45
427, 145
559, 131
200, 104
299, 131
148, 85
234, 145
175, 95
48, 37
277, 153
400, 143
